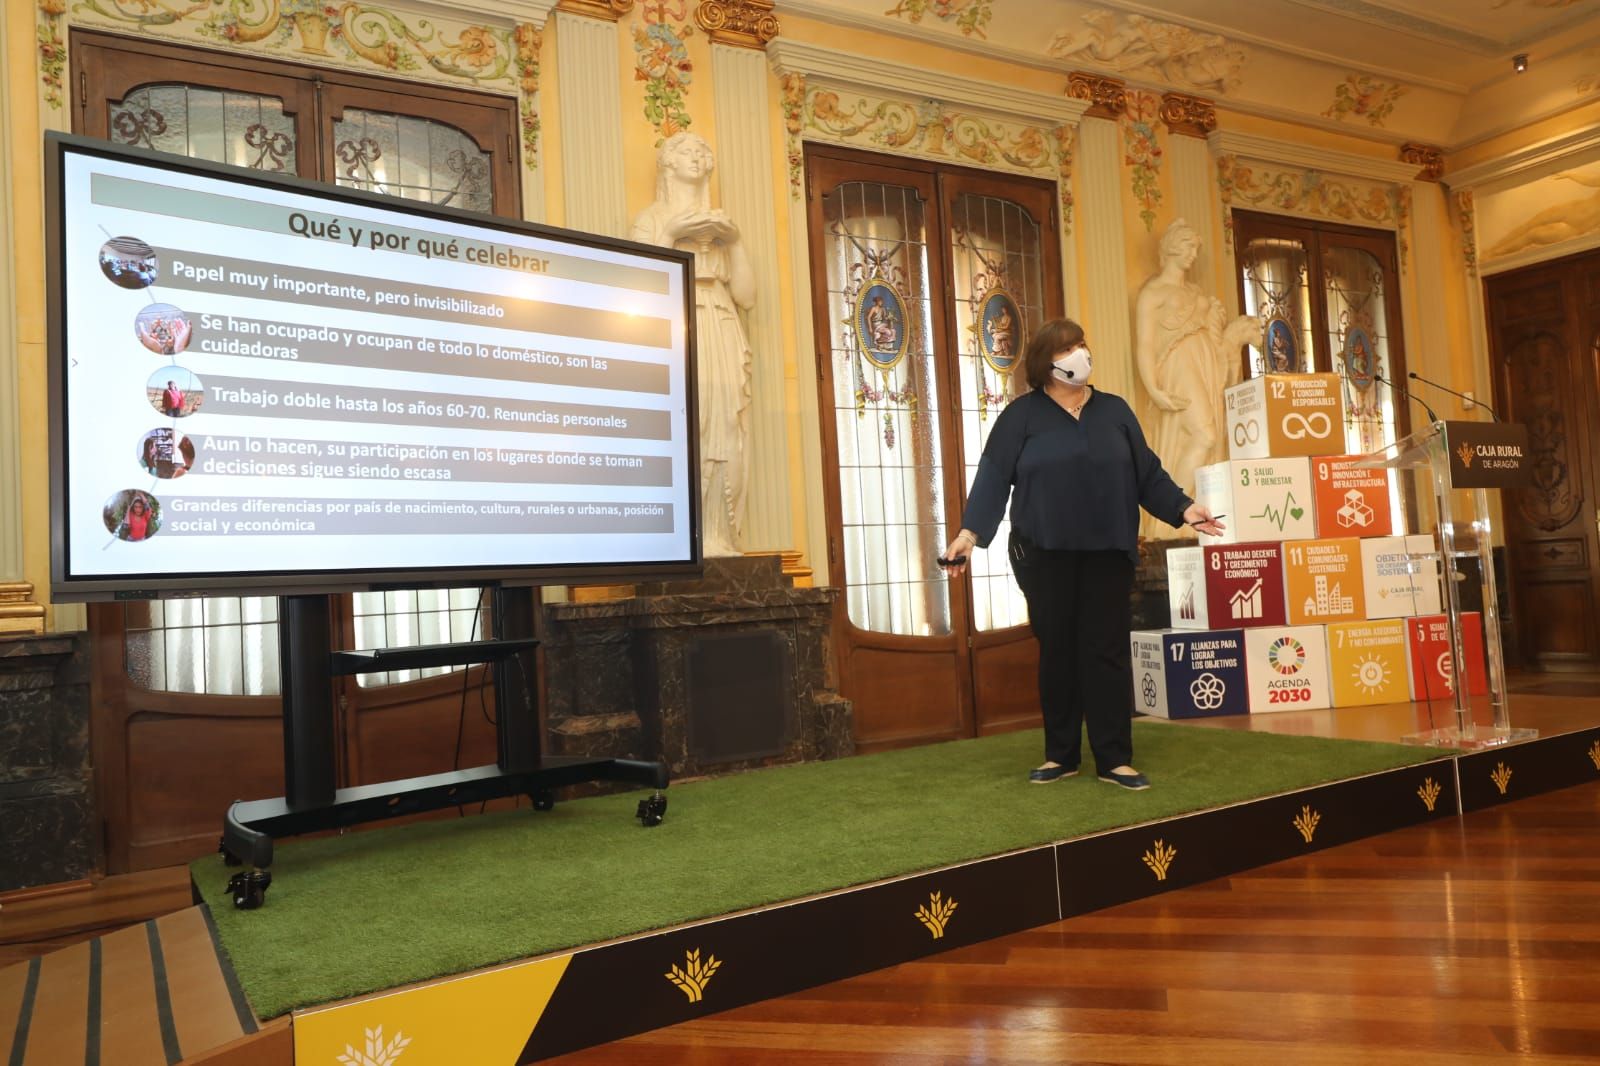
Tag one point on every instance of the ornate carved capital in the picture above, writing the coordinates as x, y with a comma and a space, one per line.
1188, 116
743, 23
610, 10
18, 613
1108, 97
1426, 156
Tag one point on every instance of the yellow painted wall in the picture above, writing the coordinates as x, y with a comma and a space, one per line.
1452, 359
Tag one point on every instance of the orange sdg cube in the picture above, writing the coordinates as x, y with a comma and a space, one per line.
1350, 502
1322, 580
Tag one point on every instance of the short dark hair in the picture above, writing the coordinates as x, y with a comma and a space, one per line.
1057, 335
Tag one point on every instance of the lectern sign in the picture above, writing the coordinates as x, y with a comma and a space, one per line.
1488, 455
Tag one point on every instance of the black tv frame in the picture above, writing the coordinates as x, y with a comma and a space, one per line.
284, 582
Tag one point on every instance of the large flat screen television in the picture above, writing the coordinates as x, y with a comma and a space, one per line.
262, 384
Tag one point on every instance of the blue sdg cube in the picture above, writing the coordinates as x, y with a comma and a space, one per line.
1189, 673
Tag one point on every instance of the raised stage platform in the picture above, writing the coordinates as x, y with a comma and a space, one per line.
561, 1000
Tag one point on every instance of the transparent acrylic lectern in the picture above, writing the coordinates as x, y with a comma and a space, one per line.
1427, 456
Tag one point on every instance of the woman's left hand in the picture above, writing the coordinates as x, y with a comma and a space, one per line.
1199, 516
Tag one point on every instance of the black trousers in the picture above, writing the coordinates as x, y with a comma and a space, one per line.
1078, 607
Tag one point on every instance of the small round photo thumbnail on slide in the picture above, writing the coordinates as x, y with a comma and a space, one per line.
175, 391
166, 453
132, 514
162, 328
129, 262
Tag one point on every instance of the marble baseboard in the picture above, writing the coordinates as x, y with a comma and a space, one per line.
46, 800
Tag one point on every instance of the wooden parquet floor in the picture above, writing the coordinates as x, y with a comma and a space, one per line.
1463, 941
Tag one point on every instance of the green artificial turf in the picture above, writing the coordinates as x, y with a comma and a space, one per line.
371, 910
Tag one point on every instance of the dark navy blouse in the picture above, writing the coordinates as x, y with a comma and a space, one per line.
1075, 483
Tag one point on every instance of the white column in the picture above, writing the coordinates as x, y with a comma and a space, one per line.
812, 411
1194, 196
11, 563
589, 80
739, 85
1428, 259
1108, 312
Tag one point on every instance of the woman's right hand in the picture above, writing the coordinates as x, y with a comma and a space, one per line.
959, 548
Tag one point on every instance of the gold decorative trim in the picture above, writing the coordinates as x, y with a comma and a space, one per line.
935, 914
1501, 777
1306, 822
19, 615
1188, 116
1428, 792
741, 23
610, 10
1160, 859
1426, 156
1108, 97
692, 977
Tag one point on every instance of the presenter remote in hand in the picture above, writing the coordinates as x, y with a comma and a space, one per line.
1075, 465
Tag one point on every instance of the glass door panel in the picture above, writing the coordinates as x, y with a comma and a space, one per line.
886, 408
997, 278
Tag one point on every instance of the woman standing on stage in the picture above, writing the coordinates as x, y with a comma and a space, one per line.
1076, 466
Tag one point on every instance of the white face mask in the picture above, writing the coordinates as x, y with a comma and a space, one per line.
1074, 367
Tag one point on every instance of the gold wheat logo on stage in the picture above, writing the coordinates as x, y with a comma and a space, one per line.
694, 975
377, 1052
1594, 754
1501, 777
1306, 822
1465, 452
1429, 792
1160, 861
935, 914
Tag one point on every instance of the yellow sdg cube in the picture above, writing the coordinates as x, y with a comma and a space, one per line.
1322, 580
1368, 662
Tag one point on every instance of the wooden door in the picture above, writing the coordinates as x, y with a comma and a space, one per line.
1544, 325
186, 712
926, 282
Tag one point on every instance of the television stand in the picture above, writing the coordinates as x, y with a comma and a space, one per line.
312, 803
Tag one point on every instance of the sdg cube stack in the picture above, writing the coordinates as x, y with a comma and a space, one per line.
1307, 600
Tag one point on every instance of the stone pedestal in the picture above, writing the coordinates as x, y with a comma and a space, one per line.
729, 672
46, 810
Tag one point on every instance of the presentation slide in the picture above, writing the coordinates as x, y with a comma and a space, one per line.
264, 380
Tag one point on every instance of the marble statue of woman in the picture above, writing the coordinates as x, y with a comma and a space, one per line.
1187, 352
682, 217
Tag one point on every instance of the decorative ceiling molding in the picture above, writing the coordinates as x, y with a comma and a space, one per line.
1550, 155
608, 10
1106, 97
837, 67
1188, 116
1426, 156
1323, 160
1450, 32
740, 23
489, 12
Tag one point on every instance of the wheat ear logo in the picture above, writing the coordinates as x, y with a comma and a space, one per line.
935, 914
1306, 821
1160, 861
694, 975
1501, 777
1594, 754
377, 1053
1465, 452
1429, 792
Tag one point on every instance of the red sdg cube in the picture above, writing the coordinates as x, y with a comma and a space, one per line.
1244, 584
1432, 664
